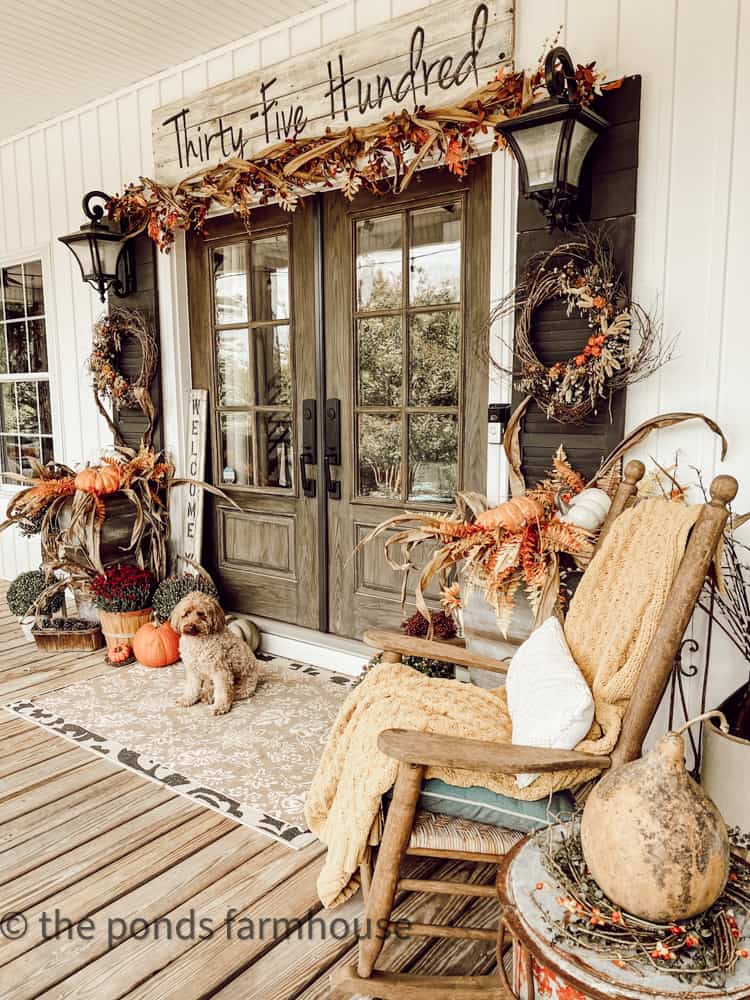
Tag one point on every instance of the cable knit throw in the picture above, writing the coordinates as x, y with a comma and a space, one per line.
610, 623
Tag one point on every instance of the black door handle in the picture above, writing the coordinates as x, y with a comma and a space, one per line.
309, 452
332, 439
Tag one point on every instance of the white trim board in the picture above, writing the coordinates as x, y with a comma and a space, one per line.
319, 649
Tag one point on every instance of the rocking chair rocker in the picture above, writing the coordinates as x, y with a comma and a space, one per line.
415, 751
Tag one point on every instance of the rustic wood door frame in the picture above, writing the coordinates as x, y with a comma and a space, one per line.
355, 605
277, 576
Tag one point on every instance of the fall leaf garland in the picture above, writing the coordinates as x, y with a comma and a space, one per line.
377, 158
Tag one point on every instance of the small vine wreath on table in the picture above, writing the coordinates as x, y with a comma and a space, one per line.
111, 332
582, 273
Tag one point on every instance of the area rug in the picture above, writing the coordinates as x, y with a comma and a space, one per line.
253, 764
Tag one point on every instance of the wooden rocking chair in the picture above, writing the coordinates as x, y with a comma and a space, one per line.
415, 751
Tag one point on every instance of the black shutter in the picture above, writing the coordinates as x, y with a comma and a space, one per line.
133, 423
612, 170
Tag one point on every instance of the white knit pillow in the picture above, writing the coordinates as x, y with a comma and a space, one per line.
549, 701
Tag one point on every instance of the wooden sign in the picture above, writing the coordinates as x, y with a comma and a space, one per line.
192, 521
435, 56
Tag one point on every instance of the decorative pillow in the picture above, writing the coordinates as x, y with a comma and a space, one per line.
549, 701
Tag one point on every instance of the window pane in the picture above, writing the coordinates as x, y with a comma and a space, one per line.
28, 413
433, 457
8, 421
434, 359
38, 346
380, 455
45, 411
3, 353
236, 449
13, 291
270, 276
32, 274
17, 354
379, 362
275, 451
47, 450
435, 255
233, 367
10, 455
379, 263
230, 283
31, 450
273, 365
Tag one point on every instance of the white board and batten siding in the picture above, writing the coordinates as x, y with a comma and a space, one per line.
691, 234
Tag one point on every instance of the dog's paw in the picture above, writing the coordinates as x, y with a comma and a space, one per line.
221, 707
185, 702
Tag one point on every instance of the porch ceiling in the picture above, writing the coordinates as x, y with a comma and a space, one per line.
61, 54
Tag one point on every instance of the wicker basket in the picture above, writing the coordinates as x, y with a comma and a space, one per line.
55, 640
120, 626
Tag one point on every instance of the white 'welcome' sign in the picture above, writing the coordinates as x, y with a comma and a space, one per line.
434, 56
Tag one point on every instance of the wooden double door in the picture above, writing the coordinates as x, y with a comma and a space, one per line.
343, 350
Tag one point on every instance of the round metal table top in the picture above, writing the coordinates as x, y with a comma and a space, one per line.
529, 897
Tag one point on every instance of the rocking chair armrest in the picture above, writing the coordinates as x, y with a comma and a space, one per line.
429, 649
437, 750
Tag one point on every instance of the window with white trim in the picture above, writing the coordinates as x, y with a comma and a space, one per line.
25, 411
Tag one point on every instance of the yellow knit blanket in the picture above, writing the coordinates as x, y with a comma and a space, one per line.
609, 626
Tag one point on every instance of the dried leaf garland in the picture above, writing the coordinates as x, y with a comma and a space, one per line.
376, 158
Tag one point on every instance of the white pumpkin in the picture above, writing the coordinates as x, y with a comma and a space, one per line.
588, 509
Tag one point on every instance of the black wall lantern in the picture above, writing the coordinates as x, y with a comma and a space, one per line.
550, 141
103, 253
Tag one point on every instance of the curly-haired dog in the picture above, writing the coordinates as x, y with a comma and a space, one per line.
219, 665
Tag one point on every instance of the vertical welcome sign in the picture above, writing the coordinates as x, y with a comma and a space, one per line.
192, 519
437, 56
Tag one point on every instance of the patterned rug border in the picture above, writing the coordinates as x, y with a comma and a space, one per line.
146, 767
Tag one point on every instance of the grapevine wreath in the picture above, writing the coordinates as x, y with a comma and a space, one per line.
110, 334
625, 342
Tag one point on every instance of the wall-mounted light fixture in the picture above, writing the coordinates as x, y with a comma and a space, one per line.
103, 253
550, 142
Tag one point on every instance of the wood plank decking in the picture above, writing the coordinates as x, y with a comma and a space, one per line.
124, 889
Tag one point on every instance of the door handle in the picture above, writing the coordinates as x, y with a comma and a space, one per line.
332, 439
309, 452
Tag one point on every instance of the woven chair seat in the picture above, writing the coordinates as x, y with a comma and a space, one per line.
434, 831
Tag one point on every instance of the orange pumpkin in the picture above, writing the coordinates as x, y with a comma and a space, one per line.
512, 515
119, 653
156, 645
101, 480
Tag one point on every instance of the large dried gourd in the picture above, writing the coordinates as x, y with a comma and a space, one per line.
653, 841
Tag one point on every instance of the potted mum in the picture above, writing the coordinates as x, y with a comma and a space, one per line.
123, 596
24, 593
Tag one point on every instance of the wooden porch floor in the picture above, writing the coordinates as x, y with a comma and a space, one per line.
91, 856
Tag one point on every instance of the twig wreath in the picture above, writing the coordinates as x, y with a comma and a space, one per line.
582, 273
378, 158
111, 333
702, 950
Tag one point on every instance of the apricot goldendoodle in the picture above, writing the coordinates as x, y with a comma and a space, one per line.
219, 666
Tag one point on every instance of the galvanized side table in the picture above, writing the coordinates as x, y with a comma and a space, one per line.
542, 970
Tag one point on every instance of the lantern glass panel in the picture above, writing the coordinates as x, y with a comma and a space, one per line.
538, 147
580, 143
109, 251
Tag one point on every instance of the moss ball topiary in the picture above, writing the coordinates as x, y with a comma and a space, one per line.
24, 591
170, 592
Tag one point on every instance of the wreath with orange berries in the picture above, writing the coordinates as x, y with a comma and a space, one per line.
624, 344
